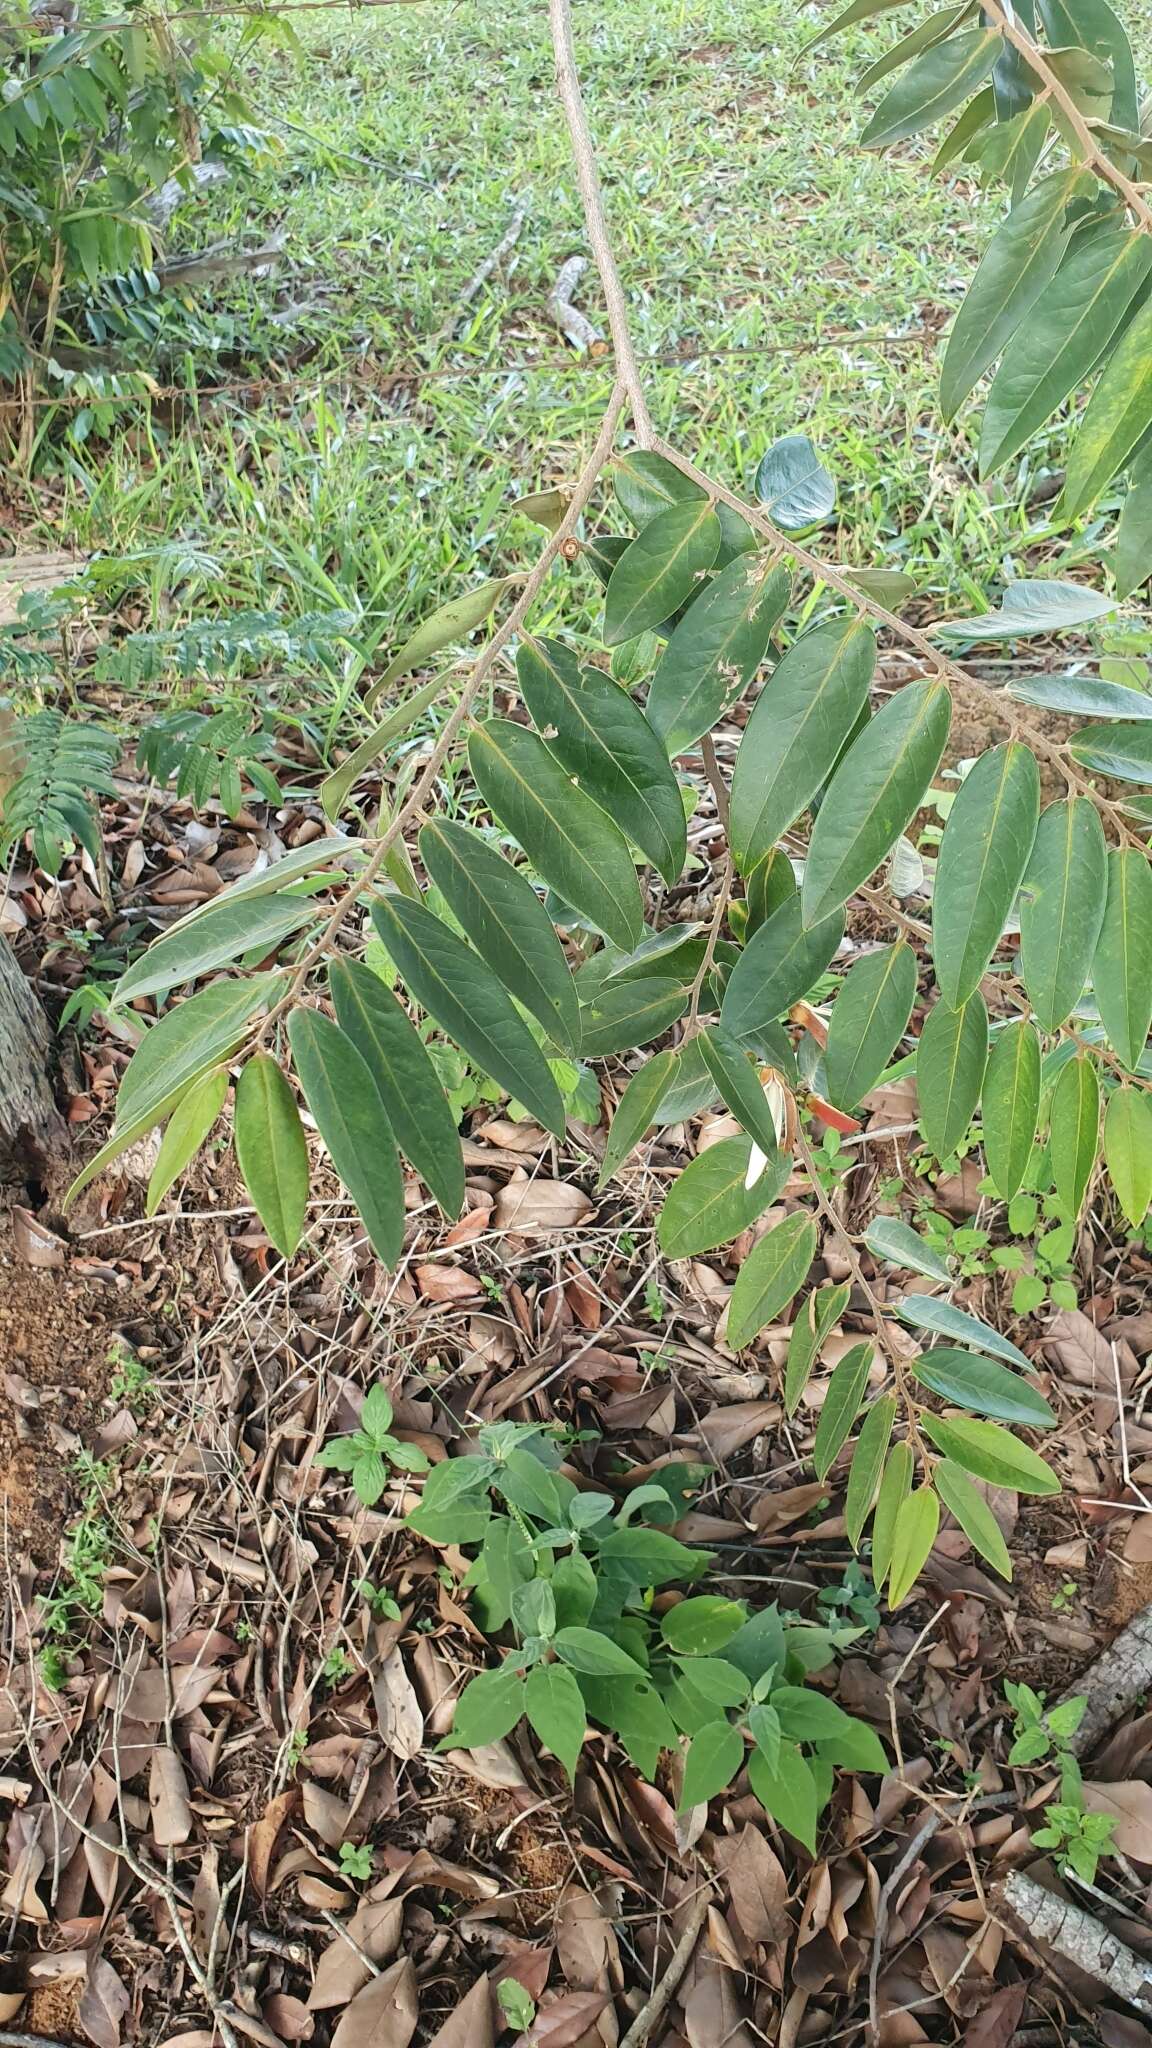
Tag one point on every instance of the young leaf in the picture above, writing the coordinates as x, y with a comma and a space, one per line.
1011, 1105
894, 1490
1128, 1151
506, 922
990, 1453
350, 1117
589, 1650
212, 941
463, 995
1062, 908
987, 1388
409, 1087
738, 1082
983, 855
875, 792
969, 1507
1117, 416
486, 1710
938, 81
635, 1111
709, 1204
187, 1128
602, 738
714, 1757
702, 1624
630, 1014
271, 1151
917, 1521
569, 840
442, 628
950, 1061
869, 1018
867, 1466
660, 569
335, 787
821, 1312
787, 1793
780, 963
195, 1035
554, 1705
1122, 967
774, 1270
716, 649
1017, 264
846, 1390
799, 723
925, 1312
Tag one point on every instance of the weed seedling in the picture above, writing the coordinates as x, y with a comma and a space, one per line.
369, 1452
356, 1860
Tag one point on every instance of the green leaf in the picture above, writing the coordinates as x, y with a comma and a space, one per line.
894, 1490
602, 738
792, 482
587, 1649
932, 86
807, 1715
569, 840
714, 1757
787, 1793
1117, 416
646, 484
641, 1720
716, 650
529, 1486
740, 1087
487, 1710
1031, 605
350, 1117
781, 962
660, 569
188, 1126
127, 1134
632, 1013
898, 1244
271, 1151
856, 1746
868, 1465
950, 1062
445, 627
846, 1390
647, 1557
335, 787
1122, 967
821, 1312
968, 1507
774, 1270
1062, 908
506, 923
1019, 261
1094, 26
709, 1204
195, 1035
554, 1705
869, 1018
1132, 555
405, 1077
214, 940
1011, 1106
1069, 328
635, 1111
858, 10
799, 724
1082, 696
574, 1590
1074, 1130
983, 855
984, 1386
702, 1624
466, 1000
990, 1452
917, 1521
1121, 751
1128, 1151
877, 789
925, 1312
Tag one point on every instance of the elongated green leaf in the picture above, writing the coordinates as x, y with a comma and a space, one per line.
990, 1452
128, 1133
925, 1312
709, 1204
602, 738
1069, 327
775, 1269
820, 1313
1011, 1105
983, 855
270, 881
714, 1756
984, 1386
1094, 26
869, 1018
867, 1466
1074, 1130
646, 484
1122, 968
846, 1390
630, 1013
977, 120
506, 922
690, 1089
1010, 150
932, 86
799, 723
591, 1651
350, 1117
740, 1087
917, 1521
878, 787
1032, 604
1062, 908
409, 1087
1118, 415
569, 840
1082, 696
188, 1126
660, 569
781, 962
271, 1151
771, 882
950, 1061
858, 10
463, 995
636, 1111
335, 787
1132, 555
898, 1244
1128, 1151
931, 30
213, 941
1019, 261
556, 1714
195, 1035
894, 1490
1121, 751
716, 650
970, 1509
445, 627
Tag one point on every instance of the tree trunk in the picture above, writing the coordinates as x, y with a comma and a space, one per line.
32, 1133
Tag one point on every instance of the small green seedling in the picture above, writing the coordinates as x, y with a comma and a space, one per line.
369, 1452
517, 2005
337, 1665
355, 1860
382, 1605
1040, 1733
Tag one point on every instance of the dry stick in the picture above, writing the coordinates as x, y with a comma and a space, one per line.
654, 2006
480, 276
923, 1835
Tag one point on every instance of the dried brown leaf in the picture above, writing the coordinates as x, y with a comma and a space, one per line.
585, 1943
375, 1929
326, 1815
564, 2021
758, 1886
397, 1708
168, 1799
996, 2026
469, 2025
288, 2017
540, 1205
384, 2014
103, 2004
264, 1834
206, 1901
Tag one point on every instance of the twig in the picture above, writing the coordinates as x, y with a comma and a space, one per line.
480, 276
568, 317
923, 1835
661, 1996
1120, 1676
1079, 1939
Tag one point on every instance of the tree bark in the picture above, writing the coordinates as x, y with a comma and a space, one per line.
32, 1133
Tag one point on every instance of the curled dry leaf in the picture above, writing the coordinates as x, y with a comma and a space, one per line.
326, 1815
585, 1943
168, 1799
397, 1708
264, 1835
103, 2004
531, 1205
440, 1282
564, 2021
374, 1934
384, 2014
206, 1902
34, 1244
288, 2017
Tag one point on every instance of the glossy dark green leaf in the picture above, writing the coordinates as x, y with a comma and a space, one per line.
990, 1452
646, 484
1062, 908
1082, 696
408, 1084
716, 649
841, 1406
630, 1013
799, 723
350, 1117
1116, 418
1123, 752
1074, 1130
602, 738
660, 569
1094, 26
769, 884
877, 789
869, 1018
690, 1087
820, 1314
983, 855
636, 1111
1128, 1150
916, 1525
858, 10
188, 1039
569, 840
1017, 264
740, 1087
781, 962
213, 940
271, 1152
1030, 605
506, 922
933, 85
950, 1061
774, 1270
970, 1509
983, 1385
925, 1312
793, 485
931, 30
709, 1204
1011, 1105
866, 1470
1122, 967
453, 984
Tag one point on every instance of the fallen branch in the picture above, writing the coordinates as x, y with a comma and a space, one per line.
1121, 1675
572, 323
673, 1977
1079, 1939
480, 276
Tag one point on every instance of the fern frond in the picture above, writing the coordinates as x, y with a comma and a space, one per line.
201, 753
219, 648
61, 765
